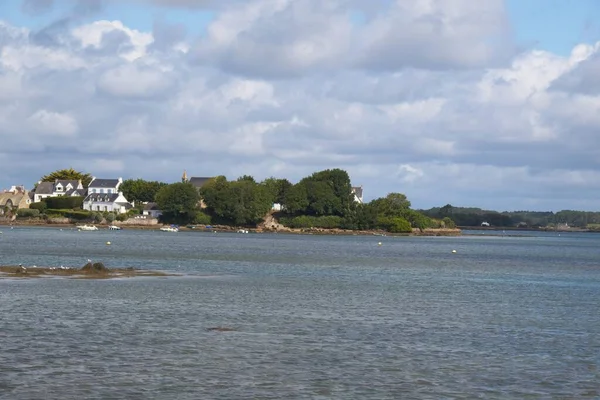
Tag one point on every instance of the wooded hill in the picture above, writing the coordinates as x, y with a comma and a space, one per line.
472, 217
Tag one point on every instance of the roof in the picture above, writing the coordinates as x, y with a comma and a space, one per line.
75, 192
44, 188
198, 182
102, 197
15, 199
358, 191
65, 182
151, 206
104, 183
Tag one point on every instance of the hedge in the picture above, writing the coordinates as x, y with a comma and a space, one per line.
77, 215
28, 213
38, 206
64, 202
394, 224
201, 219
306, 221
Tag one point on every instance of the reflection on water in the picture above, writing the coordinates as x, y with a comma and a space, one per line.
314, 317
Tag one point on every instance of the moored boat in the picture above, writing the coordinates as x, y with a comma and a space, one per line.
87, 228
169, 229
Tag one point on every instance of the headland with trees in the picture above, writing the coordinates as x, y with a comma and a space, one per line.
320, 201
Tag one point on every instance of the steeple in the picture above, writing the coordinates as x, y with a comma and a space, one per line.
184, 178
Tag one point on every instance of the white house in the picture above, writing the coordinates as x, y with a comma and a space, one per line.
104, 195
58, 188
357, 191
151, 210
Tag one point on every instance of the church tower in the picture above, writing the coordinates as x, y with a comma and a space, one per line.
184, 178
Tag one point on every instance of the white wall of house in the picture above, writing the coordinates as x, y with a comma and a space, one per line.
38, 197
102, 206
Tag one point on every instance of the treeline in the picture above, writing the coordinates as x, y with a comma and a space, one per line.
469, 216
321, 200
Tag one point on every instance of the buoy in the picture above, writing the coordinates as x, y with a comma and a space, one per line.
108, 243
454, 251
379, 244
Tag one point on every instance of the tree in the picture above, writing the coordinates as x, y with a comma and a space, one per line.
242, 202
322, 199
339, 181
393, 205
296, 199
68, 174
277, 189
140, 190
178, 202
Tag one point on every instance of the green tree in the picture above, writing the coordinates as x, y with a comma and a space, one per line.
178, 202
322, 199
140, 190
296, 199
68, 174
242, 202
339, 181
448, 223
277, 189
393, 205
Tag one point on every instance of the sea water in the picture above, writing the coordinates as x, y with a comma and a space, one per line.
314, 317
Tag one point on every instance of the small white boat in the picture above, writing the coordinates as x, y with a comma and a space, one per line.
169, 229
87, 228
114, 228
242, 231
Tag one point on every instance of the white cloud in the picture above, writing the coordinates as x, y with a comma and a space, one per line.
131, 80
417, 99
53, 123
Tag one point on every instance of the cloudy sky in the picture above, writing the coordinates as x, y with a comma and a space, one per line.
488, 103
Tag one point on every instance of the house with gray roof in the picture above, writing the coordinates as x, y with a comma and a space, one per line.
60, 187
151, 210
104, 195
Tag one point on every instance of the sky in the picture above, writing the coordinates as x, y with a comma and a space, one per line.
492, 104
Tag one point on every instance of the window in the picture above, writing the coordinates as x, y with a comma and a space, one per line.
97, 208
105, 208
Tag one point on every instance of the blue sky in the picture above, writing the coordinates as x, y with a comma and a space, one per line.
553, 25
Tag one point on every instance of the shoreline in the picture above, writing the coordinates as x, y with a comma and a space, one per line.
232, 229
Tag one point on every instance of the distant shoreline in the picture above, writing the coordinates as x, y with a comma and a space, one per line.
514, 228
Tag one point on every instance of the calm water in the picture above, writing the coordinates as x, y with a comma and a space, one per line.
316, 317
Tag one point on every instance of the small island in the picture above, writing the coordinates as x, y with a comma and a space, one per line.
88, 271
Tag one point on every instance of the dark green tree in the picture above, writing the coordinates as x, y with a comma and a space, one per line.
178, 202
242, 202
296, 199
140, 190
277, 189
68, 174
